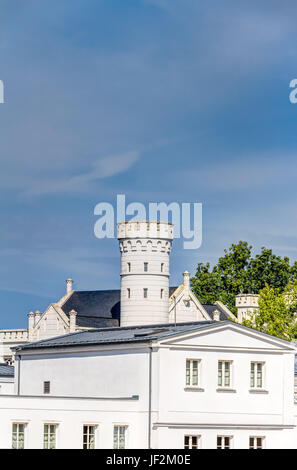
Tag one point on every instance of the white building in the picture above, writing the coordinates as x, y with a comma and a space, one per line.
145, 295
189, 378
210, 384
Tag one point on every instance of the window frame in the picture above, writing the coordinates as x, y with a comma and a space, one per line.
223, 386
145, 292
223, 443
120, 426
17, 424
190, 444
191, 376
252, 447
89, 425
49, 433
145, 266
255, 375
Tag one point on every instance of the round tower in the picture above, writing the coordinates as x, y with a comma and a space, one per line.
145, 251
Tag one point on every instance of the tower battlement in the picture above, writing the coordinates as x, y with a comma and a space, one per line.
145, 229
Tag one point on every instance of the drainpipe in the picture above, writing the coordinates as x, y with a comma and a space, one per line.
150, 399
19, 373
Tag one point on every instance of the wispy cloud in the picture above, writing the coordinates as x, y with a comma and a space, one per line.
102, 168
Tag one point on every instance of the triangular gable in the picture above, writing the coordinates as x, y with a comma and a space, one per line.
229, 335
181, 292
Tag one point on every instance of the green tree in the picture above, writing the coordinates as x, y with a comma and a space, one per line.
237, 272
276, 314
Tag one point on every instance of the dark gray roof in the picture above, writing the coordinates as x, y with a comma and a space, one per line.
211, 308
133, 334
6, 371
97, 308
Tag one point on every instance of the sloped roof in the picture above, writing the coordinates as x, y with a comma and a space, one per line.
6, 370
211, 308
135, 334
97, 308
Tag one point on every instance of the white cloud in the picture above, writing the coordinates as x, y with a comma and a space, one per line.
104, 167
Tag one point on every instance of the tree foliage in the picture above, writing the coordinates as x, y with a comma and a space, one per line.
276, 314
238, 272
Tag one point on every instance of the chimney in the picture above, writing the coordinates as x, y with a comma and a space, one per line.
216, 315
31, 323
72, 321
37, 316
186, 275
69, 285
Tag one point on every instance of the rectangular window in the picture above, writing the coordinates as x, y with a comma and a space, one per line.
224, 374
119, 437
192, 442
18, 436
162, 267
145, 267
129, 267
257, 374
145, 291
46, 387
256, 442
192, 366
161, 293
128, 293
50, 436
224, 442
89, 437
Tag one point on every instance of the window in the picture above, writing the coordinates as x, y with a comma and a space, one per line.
46, 387
119, 437
191, 442
224, 374
161, 293
257, 374
145, 291
256, 442
192, 366
89, 437
145, 267
128, 293
129, 267
162, 267
49, 436
224, 442
18, 435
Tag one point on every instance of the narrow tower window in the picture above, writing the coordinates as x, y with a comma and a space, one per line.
145, 267
162, 267
145, 293
129, 267
161, 293
128, 293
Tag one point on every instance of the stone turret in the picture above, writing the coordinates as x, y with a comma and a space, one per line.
145, 254
246, 305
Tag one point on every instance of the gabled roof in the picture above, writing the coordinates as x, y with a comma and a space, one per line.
6, 370
135, 334
211, 308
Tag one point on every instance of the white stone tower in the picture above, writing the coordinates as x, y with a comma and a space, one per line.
145, 251
247, 305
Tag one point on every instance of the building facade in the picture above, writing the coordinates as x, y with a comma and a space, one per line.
202, 385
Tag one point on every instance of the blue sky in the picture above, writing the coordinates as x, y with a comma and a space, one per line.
161, 100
